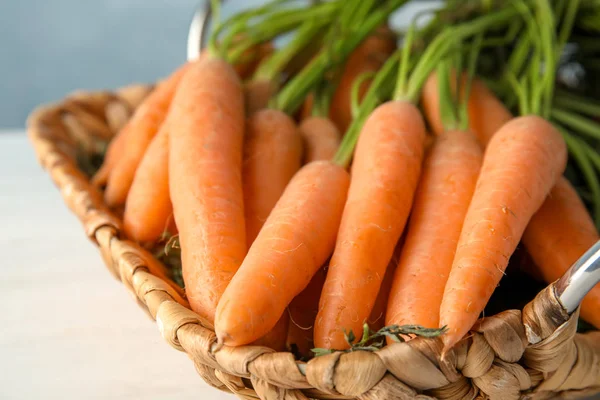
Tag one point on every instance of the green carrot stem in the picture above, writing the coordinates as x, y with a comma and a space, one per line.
471, 66
577, 148
238, 24
372, 98
215, 9
444, 41
577, 123
567, 24
547, 32
519, 55
292, 94
404, 63
446, 101
276, 63
582, 105
355, 92
520, 92
277, 24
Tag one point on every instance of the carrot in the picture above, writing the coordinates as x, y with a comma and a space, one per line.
112, 157
523, 161
385, 172
369, 56
306, 110
272, 155
205, 179
303, 312
252, 58
321, 138
485, 124
276, 338
486, 112
138, 132
562, 229
299, 234
294, 242
567, 231
443, 196
148, 209
257, 94
376, 320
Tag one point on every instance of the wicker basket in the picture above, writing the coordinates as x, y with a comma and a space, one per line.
533, 354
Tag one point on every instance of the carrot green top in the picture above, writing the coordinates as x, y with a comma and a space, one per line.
411, 74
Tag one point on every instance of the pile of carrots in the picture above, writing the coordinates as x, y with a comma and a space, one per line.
358, 182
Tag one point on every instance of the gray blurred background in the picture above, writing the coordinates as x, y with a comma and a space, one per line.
49, 48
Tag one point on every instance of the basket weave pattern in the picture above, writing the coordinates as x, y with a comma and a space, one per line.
530, 354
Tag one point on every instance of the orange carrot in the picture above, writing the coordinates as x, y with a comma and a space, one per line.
276, 338
112, 157
306, 110
321, 138
562, 230
293, 244
272, 155
523, 161
139, 131
369, 56
257, 94
481, 121
486, 112
385, 172
443, 196
205, 179
303, 312
148, 208
376, 320
252, 58
568, 232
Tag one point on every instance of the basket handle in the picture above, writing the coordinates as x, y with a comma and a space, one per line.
583, 275
197, 36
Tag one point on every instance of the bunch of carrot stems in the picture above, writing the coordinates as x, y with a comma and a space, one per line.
342, 191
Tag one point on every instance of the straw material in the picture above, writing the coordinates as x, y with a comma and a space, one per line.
533, 354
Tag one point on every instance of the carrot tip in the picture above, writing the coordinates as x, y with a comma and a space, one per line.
449, 342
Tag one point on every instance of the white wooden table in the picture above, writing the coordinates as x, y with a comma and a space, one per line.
68, 329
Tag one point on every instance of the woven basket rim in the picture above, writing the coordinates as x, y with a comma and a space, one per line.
510, 355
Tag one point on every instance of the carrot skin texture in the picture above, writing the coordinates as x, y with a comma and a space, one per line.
573, 232
139, 131
205, 179
447, 184
276, 338
294, 242
430, 103
272, 155
481, 120
562, 229
303, 311
369, 56
385, 173
321, 138
257, 95
148, 208
523, 161
376, 320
